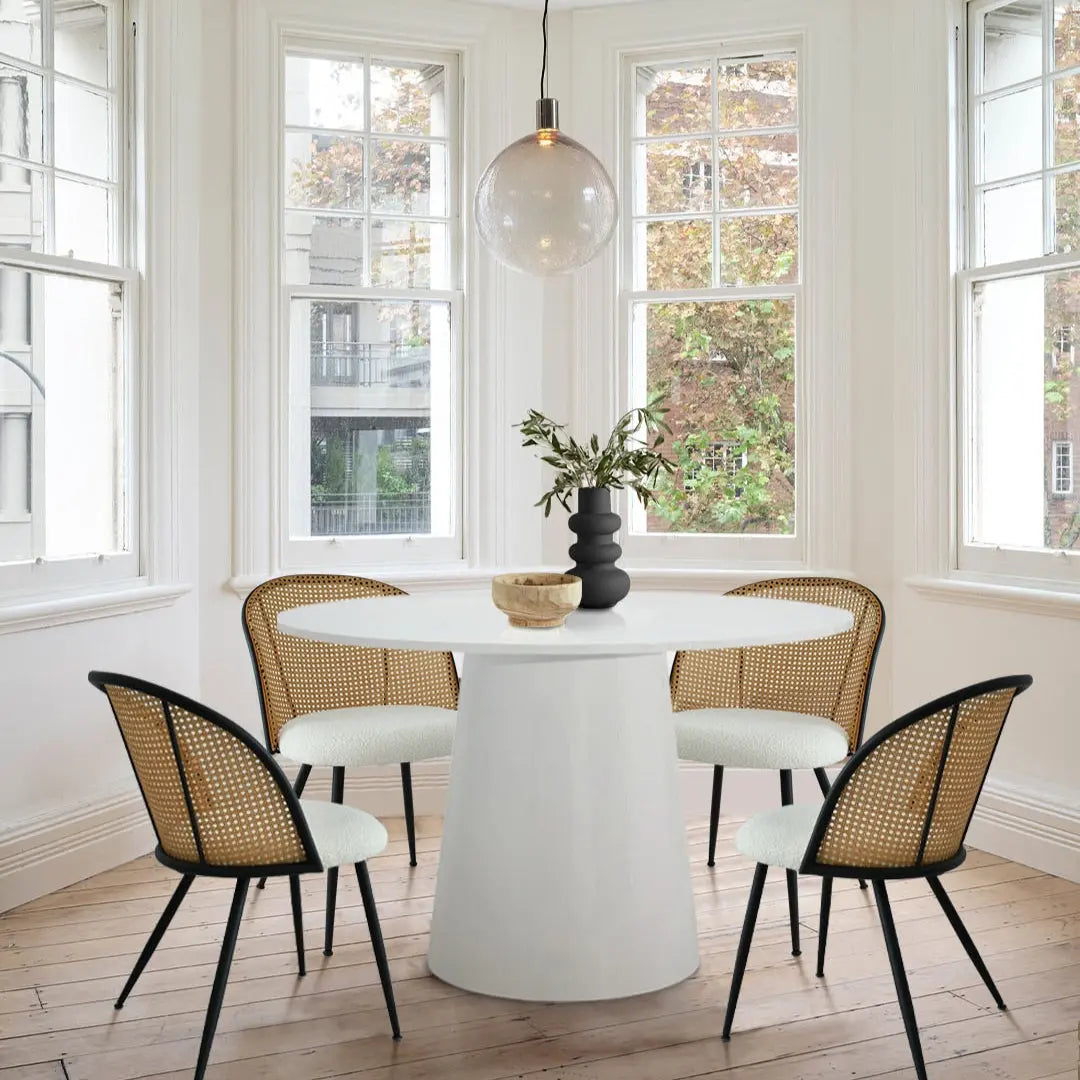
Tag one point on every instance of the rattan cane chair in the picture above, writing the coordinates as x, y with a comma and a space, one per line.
342, 706
792, 706
900, 808
221, 806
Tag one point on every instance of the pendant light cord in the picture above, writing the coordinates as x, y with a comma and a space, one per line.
543, 66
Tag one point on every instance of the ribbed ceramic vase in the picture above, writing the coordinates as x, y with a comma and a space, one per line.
603, 584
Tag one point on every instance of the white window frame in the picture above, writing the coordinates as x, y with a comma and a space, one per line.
343, 552
39, 575
1064, 448
989, 561
787, 551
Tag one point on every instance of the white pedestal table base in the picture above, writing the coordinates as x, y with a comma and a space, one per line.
564, 873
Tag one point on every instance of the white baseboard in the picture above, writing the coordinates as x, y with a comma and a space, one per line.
46, 853
1029, 826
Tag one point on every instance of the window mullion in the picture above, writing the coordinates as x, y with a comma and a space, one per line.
1048, 186
717, 270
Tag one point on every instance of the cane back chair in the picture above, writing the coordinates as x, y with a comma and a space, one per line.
221, 806
341, 706
900, 808
798, 705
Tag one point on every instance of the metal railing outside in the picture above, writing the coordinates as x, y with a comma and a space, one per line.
368, 363
371, 514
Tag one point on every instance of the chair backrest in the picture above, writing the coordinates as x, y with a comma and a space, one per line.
828, 677
297, 676
904, 802
218, 801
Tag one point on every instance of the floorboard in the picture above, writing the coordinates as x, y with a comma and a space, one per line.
64, 957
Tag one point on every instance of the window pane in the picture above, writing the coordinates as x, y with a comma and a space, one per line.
728, 368
324, 171
322, 93
409, 255
64, 458
20, 114
378, 449
759, 250
22, 207
82, 221
678, 254
1012, 44
323, 250
1066, 119
1067, 211
1012, 134
675, 100
1026, 330
677, 176
1012, 222
760, 93
20, 30
81, 41
408, 98
82, 131
408, 177
1066, 33
759, 170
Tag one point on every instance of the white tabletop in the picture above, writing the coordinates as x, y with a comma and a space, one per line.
645, 622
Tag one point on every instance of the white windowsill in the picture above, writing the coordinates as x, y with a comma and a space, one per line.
1033, 597
426, 578
61, 610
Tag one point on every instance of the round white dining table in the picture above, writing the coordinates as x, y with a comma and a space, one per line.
564, 873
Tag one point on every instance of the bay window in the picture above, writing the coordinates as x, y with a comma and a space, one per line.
371, 272
68, 382
1019, 291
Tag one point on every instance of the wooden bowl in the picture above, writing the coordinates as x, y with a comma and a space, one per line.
536, 600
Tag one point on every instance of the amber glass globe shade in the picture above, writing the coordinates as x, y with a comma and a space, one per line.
545, 205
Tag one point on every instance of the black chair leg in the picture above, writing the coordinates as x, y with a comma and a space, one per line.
965, 938
823, 924
787, 798
903, 993
744, 946
156, 934
714, 810
823, 783
221, 976
298, 787
337, 795
377, 945
298, 920
410, 821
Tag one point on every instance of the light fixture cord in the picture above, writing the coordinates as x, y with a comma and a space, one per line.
543, 66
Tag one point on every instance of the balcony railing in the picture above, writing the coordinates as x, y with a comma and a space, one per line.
370, 363
371, 514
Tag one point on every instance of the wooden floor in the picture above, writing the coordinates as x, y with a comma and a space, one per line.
63, 959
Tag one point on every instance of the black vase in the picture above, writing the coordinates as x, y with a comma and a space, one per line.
603, 584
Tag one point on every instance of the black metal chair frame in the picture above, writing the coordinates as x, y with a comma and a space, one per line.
879, 875
243, 874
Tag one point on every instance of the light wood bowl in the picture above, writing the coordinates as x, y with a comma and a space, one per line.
536, 600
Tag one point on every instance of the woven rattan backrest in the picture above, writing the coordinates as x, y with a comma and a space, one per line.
905, 800
297, 676
828, 677
215, 797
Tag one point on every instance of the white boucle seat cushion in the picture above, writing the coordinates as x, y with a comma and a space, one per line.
759, 739
778, 837
343, 834
370, 735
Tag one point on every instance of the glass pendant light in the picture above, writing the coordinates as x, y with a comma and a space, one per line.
545, 205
